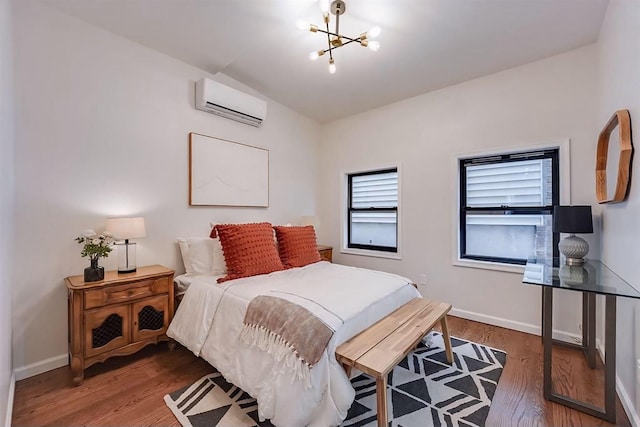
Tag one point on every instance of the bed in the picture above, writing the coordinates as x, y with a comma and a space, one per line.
209, 322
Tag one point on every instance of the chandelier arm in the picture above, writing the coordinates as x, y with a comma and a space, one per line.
328, 40
336, 47
329, 33
350, 41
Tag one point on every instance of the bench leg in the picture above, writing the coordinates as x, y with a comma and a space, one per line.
347, 369
447, 339
381, 396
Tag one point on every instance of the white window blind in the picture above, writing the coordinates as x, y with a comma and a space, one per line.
520, 183
375, 191
374, 217
506, 206
373, 210
536, 220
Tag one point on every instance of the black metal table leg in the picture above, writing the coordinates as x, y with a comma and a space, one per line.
589, 347
589, 327
610, 360
547, 339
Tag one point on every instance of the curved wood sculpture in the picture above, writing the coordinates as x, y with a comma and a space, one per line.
622, 119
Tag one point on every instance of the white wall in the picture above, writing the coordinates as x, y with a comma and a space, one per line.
6, 204
540, 102
102, 130
619, 86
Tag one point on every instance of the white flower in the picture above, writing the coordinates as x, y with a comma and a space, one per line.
89, 234
96, 241
107, 234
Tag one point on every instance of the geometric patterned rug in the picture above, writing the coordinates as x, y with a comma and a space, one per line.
423, 391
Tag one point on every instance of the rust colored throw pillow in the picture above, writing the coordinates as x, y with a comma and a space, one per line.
297, 246
248, 249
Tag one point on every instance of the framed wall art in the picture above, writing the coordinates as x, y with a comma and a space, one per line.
227, 173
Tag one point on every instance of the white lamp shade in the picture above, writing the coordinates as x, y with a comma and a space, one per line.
126, 228
310, 220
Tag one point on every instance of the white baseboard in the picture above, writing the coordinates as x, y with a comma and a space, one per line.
12, 389
41, 366
516, 326
496, 321
627, 404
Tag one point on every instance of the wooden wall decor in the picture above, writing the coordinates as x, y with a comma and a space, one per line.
622, 120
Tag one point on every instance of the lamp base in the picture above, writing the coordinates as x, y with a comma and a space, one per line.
574, 262
574, 249
126, 257
573, 275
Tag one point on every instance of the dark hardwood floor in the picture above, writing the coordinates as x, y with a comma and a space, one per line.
128, 391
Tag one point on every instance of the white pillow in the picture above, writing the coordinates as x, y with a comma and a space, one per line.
202, 255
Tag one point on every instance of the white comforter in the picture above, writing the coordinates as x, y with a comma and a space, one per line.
348, 299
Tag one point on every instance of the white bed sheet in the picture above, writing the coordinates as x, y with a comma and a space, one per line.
348, 299
183, 281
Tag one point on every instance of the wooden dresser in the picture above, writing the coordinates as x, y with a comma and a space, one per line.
326, 253
117, 316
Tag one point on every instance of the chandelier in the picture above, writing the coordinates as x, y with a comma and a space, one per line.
336, 40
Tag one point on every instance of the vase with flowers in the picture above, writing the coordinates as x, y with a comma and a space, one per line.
95, 247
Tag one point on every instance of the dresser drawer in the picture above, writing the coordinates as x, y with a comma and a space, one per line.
122, 293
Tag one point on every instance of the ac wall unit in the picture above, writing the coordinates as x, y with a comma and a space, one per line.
216, 98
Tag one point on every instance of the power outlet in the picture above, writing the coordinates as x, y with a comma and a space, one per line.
423, 279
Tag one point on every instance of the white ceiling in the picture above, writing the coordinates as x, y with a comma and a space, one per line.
426, 44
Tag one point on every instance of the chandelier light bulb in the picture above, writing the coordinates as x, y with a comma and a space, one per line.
302, 25
324, 6
374, 32
332, 66
314, 55
374, 45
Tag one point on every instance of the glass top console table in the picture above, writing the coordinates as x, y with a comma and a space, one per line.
591, 279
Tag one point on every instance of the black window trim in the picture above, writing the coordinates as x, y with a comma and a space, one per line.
553, 154
350, 210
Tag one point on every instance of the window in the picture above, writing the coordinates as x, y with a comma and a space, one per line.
506, 206
373, 210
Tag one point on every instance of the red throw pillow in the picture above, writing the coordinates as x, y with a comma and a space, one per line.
248, 249
297, 246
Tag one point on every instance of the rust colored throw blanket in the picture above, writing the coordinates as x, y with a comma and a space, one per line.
290, 333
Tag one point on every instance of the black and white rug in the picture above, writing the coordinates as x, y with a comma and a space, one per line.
423, 391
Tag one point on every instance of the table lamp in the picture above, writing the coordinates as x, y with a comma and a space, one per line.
125, 229
310, 220
573, 219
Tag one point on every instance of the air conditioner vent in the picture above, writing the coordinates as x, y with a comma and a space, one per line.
224, 101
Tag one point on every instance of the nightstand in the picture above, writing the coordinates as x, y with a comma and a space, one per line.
117, 316
326, 252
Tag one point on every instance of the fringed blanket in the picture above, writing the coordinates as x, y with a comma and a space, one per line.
288, 332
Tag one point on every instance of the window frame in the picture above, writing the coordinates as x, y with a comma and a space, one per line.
349, 247
554, 153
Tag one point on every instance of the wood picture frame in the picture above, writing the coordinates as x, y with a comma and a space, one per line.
227, 173
622, 120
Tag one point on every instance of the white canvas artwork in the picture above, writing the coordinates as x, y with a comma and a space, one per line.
226, 173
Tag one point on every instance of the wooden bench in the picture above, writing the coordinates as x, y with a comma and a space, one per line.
378, 349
